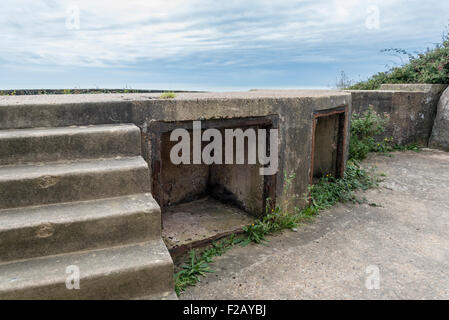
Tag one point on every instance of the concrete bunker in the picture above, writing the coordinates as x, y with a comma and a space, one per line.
202, 202
125, 188
328, 142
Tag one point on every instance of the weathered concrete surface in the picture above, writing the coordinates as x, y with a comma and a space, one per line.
426, 87
410, 109
295, 111
194, 222
440, 132
113, 273
407, 237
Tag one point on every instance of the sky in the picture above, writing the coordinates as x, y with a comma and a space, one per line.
208, 45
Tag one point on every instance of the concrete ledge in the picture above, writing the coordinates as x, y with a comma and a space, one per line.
117, 97
67, 110
414, 87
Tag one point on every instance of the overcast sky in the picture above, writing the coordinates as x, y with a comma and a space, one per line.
207, 45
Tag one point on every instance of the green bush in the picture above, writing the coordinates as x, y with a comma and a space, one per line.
431, 66
364, 128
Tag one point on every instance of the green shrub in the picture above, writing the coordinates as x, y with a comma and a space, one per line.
431, 66
364, 128
329, 190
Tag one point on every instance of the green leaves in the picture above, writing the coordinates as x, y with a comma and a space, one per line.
328, 191
191, 272
364, 129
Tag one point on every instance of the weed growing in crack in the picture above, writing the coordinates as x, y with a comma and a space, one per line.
198, 264
329, 190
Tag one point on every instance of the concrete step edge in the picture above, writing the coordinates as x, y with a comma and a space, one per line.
65, 143
122, 272
30, 185
56, 228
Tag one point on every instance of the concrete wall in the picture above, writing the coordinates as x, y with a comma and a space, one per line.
180, 183
239, 184
410, 108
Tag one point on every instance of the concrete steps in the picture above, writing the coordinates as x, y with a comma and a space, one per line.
79, 196
112, 273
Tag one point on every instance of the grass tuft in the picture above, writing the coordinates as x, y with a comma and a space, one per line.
168, 95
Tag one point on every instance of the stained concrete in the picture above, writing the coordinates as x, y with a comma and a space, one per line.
406, 236
409, 108
190, 224
326, 143
182, 182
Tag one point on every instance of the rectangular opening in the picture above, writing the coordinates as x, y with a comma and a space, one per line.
328, 143
202, 202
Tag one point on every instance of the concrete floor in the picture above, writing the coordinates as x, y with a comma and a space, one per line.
336, 256
190, 224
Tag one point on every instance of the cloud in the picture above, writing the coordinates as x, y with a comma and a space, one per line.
121, 32
199, 40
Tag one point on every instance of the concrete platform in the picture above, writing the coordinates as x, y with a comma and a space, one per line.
198, 222
55, 99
